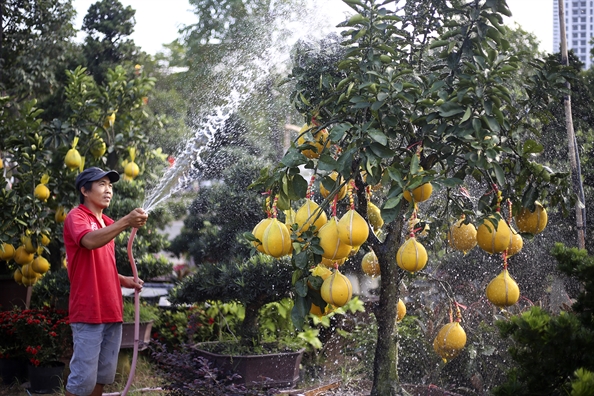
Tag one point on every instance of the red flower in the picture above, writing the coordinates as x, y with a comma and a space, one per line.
210, 321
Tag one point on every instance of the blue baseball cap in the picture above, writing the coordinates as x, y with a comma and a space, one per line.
93, 174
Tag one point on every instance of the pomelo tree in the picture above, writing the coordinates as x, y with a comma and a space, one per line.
414, 96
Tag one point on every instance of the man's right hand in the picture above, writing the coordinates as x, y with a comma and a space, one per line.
137, 218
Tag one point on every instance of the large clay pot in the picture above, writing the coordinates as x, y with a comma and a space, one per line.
269, 370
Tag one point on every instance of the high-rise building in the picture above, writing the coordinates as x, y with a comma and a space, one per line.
579, 28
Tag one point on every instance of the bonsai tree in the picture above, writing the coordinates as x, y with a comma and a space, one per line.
427, 97
253, 282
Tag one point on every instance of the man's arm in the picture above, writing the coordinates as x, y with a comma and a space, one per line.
95, 239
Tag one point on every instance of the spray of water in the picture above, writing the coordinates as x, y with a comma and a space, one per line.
254, 60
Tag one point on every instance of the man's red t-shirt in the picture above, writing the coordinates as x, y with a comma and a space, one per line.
95, 292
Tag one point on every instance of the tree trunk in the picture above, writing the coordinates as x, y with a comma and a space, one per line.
249, 326
385, 365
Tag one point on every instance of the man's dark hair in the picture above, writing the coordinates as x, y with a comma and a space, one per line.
87, 186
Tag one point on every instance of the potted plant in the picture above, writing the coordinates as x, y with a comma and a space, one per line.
53, 290
46, 337
253, 282
148, 314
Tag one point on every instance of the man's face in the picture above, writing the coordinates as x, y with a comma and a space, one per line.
100, 193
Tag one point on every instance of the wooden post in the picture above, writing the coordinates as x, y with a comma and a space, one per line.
576, 176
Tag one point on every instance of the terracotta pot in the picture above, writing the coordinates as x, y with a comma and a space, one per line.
144, 335
269, 370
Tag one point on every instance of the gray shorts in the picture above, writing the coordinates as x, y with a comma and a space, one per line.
95, 357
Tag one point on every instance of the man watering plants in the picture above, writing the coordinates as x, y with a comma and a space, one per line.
95, 285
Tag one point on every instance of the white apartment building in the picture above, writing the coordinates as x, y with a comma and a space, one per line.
579, 28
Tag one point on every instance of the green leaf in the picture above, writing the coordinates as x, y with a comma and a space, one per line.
326, 162
301, 287
530, 196
532, 147
378, 136
293, 158
299, 312
449, 109
300, 260
499, 175
381, 150
299, 186
391, 203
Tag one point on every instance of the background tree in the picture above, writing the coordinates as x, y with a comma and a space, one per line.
425, 94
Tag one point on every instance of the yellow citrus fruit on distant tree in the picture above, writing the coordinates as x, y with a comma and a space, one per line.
412, 256
45, 240
319, 140
60, 215
98, 147
532, 222
462, 236
29, 281
109, 120
73, 159
493, 240
7, 252
374, 215
420, 194
40, 265
258, 232
503, 291
28, 271
341, 193
516, 243
28, 244
22, 257
277, 239
450, 340
310, 213
18, 276
337, 289
400, 310
353, 230
370, 264
131, 169
334, 248
42, 192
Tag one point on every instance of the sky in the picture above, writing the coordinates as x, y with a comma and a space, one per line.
158, 21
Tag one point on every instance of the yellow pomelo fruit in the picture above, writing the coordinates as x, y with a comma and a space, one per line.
42, 192
491, 240
18, 276
40, 265
28, 281
462, 236
310, 214
320, 138
516, 243
420, 194
375, 216
332, 263
109, 121
322, 271
315, 310
22, 257
28, 244
370, 264
337, 289
353, 230
411, 256
277, 239
28, 271
73, 159
131, 170
401, 310
340, 194
450, 340
60, 215
532, 222
45, 240
258, 232
7, 252
334, 248
98, 148
503, 291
